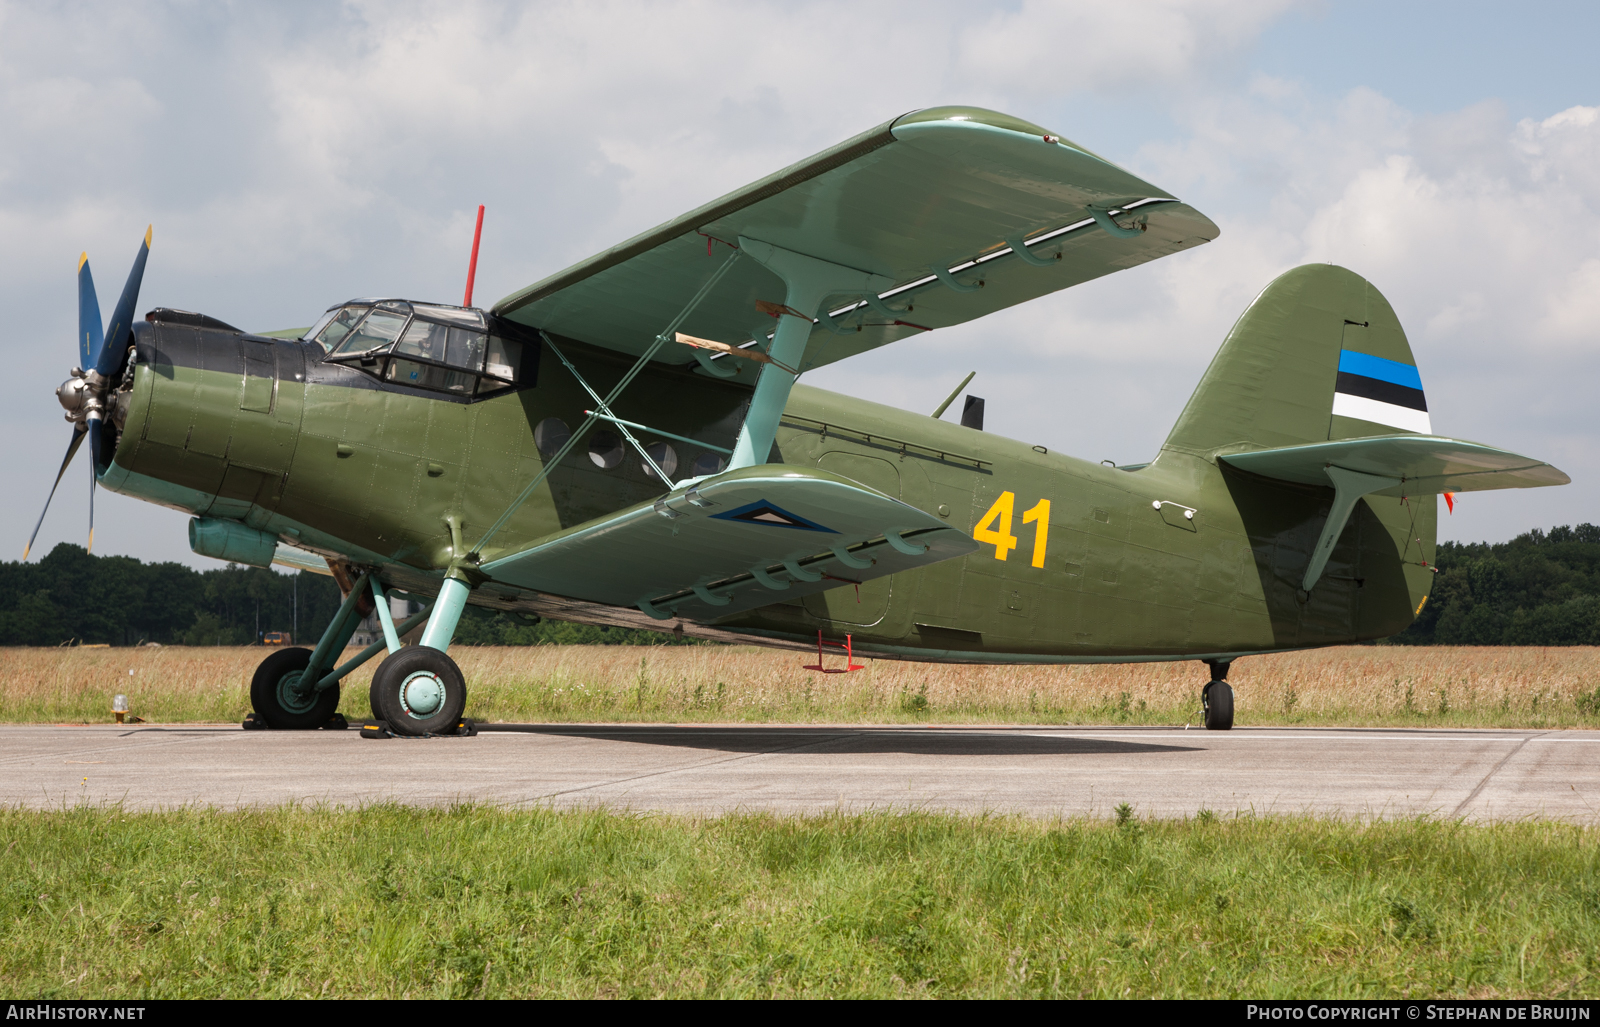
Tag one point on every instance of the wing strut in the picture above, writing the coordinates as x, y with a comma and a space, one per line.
809, 282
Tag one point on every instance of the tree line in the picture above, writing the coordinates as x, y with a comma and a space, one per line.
72, 596
1540, 588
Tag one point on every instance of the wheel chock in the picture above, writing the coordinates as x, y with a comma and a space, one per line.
253, 722
468, 728
375, 729
336, 723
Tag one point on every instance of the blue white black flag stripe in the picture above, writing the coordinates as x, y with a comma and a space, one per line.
1382, 391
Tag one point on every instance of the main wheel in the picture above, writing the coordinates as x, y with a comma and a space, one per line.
419, 691
1217, 700
276, 693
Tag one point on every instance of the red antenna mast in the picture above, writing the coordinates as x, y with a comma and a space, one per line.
472, 268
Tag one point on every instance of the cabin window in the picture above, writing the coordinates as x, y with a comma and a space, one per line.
335, 330
605, 449
550, 435
707, 463
665, 457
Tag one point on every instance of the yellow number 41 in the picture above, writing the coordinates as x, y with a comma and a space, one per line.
995, 528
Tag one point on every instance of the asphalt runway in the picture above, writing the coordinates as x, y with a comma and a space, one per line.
712, 769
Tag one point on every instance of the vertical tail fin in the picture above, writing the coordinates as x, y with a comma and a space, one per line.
1318, 355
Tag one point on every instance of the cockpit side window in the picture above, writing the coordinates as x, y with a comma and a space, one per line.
423, 340
336, 329
458, 347
505, 358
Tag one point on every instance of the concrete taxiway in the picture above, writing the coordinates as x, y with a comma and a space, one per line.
711, 769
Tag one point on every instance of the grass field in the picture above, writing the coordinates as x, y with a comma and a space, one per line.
1353, 685
474, 902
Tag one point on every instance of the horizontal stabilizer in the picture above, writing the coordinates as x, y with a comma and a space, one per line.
732, 543
1422, 464
1390, 465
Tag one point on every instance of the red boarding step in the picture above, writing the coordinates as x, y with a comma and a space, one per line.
849, 657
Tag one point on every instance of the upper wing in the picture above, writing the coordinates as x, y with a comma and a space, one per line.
1424, 464
927, 201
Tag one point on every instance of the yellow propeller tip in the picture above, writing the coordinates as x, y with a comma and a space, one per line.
83, 259
149, 230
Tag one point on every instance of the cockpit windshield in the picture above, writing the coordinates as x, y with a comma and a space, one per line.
334, 330
375, 333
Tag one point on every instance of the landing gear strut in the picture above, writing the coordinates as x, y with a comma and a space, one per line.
1216, 698
298, 689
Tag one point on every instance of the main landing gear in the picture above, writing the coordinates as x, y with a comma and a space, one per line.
417, 690
283, 697
1216, 698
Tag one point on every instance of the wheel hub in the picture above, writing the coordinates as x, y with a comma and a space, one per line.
293, 695
422, 694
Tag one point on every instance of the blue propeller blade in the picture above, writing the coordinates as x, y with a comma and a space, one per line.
72, 450
115, 348
90, 339
93, 481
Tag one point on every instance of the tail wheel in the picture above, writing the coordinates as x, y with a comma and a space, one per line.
1217, 700
283, 699
419, 691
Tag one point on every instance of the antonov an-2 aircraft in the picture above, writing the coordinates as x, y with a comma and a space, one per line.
625, 443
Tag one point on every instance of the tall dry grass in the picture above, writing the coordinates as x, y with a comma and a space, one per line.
1352, 685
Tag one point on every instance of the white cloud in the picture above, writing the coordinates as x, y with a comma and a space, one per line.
290, 158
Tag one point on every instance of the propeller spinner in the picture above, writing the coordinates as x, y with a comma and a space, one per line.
85, 394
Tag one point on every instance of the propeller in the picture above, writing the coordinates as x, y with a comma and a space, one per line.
103, 356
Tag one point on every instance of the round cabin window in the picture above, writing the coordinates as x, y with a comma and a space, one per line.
550, 435
665, 457
708, 463
605, 449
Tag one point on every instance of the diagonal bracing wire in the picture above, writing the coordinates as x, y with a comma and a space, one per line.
604, 408
604, 404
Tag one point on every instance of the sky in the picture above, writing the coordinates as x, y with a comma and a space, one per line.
293, 155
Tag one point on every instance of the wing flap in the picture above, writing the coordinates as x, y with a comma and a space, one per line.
733, 543
1425, 464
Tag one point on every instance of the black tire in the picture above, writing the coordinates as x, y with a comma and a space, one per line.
418, 691
1217, 700
280, 704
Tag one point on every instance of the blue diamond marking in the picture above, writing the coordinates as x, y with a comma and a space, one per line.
772, 516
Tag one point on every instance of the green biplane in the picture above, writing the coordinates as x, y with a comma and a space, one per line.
625, 443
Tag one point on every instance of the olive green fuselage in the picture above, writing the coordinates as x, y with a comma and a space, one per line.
1181, 558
